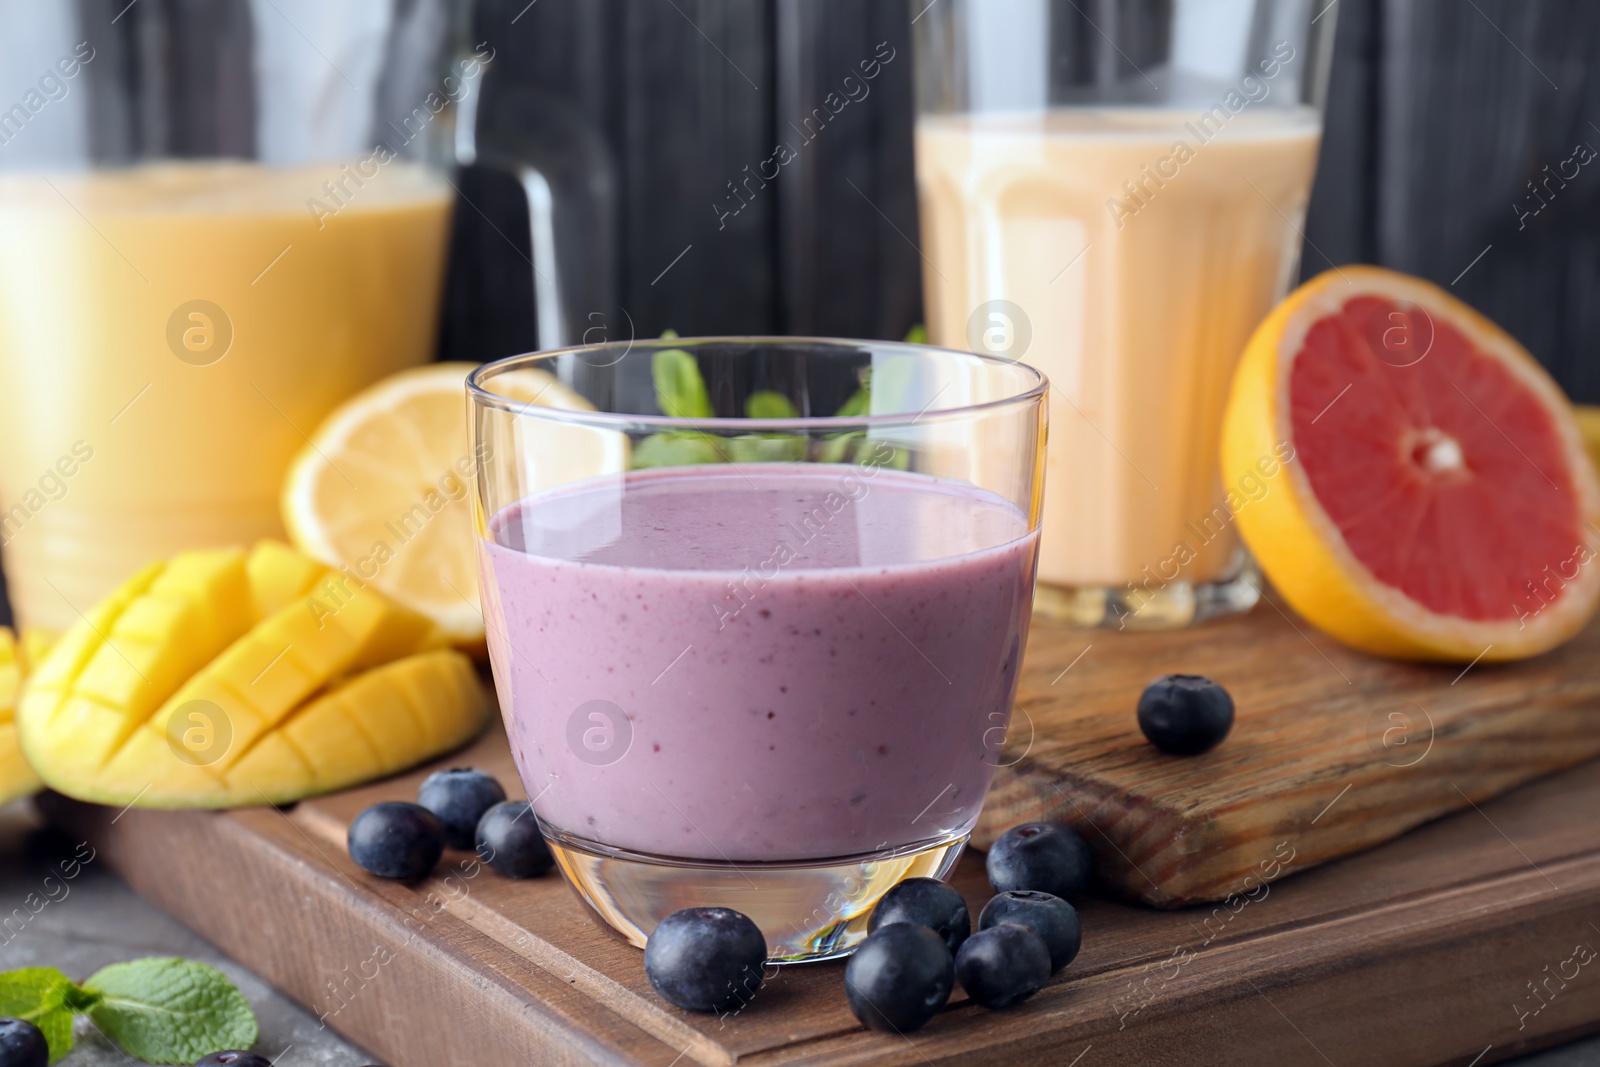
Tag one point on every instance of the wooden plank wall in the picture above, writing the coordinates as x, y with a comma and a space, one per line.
1441, 111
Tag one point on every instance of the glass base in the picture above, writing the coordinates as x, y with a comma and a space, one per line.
808, 911
1145, 606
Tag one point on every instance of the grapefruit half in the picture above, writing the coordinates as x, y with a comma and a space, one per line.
1439, 504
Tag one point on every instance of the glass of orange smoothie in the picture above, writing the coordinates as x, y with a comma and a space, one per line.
215, 225
1115, 194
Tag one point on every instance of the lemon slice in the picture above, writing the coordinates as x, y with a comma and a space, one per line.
382, 488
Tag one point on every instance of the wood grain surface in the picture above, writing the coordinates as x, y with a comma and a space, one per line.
1332, 751
1439, 115
1440, 947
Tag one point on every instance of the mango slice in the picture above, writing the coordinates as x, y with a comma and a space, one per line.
33, 644
369, 726
220, 679
16, 777
278, 575
116, 666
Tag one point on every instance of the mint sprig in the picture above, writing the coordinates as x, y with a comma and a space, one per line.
161, 1010
44, 997
680, 391
766, 404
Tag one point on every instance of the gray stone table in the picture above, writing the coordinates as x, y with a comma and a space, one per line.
100, 921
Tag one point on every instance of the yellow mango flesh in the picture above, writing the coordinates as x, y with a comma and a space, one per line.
278, 575
33, 644
219, 680
116, 666
16, 777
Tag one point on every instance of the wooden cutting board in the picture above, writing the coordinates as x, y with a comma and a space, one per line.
1331, 752
1426, 950
1444, 946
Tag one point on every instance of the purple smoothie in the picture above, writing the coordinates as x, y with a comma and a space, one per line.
802, 661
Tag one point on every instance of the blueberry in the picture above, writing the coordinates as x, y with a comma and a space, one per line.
459, 797
1185, 714
900, 976
234, 1058
1053, 919
22, 1045
706, 959
1003, 965
509, 840
396, 840
1045, 856
925, 902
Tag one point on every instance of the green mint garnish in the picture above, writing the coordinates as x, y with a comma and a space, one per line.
44, 997
162, 1010
860, 403
170, 1010
681, 394
680, 391
765, 404
917, 335
681, 448
767, 448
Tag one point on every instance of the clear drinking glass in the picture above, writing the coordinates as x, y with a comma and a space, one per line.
217, 222
1114, 192
755, 621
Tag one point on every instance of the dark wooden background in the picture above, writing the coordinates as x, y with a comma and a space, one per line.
1440, 112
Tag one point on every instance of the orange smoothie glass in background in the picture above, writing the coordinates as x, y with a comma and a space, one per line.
1118, 201
158, 369
217, 223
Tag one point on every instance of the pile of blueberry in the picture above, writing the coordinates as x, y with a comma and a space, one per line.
460, 808
920, 941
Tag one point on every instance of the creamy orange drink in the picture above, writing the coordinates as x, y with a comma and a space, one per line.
1136, 249
169, 336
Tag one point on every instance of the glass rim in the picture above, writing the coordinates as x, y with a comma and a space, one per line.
1037, 386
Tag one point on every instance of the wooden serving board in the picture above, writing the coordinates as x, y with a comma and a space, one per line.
1420, 951
1331, 752
1426, 950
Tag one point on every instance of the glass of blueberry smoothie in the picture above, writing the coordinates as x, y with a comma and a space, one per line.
756, 608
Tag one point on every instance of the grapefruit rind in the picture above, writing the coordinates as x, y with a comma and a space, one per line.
1301, 549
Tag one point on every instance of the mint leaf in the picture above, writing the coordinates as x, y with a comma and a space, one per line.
167, 1010
917, 335
766, 404
679, 448
44, 997
767, 448
860, 403
680, 391
839, 447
